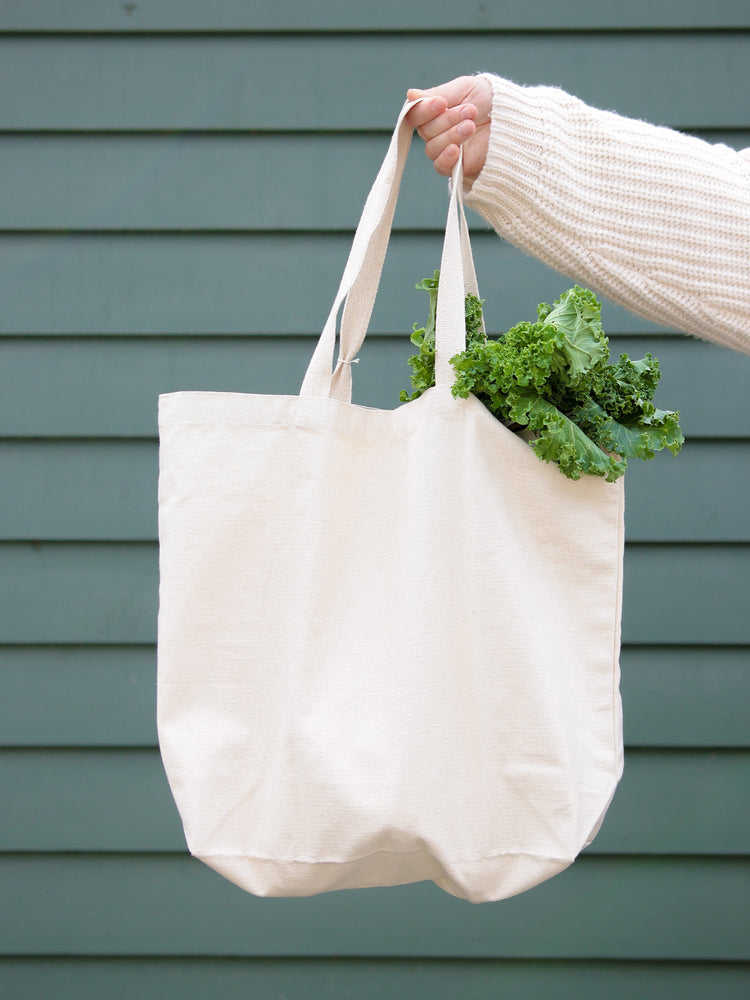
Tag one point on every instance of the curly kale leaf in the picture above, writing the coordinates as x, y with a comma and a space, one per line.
560, 439
576, 316
626, 389
639, 437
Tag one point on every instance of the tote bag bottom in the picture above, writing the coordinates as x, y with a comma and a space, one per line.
481, 881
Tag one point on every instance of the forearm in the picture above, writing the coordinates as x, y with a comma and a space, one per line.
655, 220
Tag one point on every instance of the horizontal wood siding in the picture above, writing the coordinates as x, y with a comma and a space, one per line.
115, 380
343, 16
154, 904
216, 182
370, 979
228, 83
180, 184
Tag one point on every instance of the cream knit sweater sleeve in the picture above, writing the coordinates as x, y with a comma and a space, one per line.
656, 220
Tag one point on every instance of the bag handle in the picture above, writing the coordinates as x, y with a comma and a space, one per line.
361, 277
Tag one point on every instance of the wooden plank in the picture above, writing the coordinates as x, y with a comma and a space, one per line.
87, 801
104, 696
673, 802
78, 696
106, 491
366, 979
107, 593
108, 387
71, 593
249, 183
668, 803
103, 490
686, 594
684, 697
230, 182
661, 605
687, 499
233, 283
340, 15
225, 82
601, 907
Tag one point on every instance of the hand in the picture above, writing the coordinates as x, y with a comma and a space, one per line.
457, 114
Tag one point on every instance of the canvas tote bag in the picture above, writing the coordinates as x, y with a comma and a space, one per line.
388, 639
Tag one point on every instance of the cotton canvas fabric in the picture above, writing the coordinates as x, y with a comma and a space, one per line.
388, 639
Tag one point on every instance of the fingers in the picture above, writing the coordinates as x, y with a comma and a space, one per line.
458, 120
453, 127
440, 126
452, 115
426, 110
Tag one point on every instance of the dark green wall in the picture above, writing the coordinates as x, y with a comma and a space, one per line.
179, 185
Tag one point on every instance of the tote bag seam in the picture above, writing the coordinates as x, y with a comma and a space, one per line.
617, 737
299, 420
374, 854
371, 432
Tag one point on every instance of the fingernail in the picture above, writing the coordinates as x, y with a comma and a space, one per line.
465, 128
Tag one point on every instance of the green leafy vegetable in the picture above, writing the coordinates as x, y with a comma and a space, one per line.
553, 378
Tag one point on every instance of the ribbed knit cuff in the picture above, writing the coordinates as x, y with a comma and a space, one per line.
516, 148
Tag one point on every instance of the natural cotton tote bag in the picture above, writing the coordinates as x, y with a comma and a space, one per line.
388, 639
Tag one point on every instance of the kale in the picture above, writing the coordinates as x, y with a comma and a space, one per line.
553, 378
